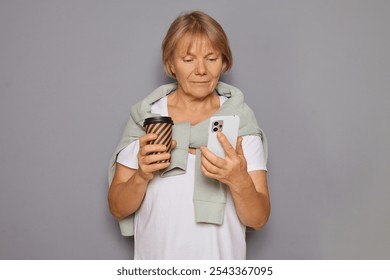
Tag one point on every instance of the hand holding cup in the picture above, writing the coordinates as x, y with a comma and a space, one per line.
155, 146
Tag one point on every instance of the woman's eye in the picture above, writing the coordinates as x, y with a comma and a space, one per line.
212, 59
188, 60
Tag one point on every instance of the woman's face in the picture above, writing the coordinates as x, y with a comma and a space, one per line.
197, 68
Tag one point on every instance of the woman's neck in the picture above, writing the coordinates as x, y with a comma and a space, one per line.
185, 108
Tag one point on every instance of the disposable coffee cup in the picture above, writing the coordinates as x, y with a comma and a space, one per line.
162, 126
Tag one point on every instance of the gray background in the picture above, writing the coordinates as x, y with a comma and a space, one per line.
315, 72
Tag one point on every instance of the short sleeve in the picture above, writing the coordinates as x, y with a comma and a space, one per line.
128, 156
254, 152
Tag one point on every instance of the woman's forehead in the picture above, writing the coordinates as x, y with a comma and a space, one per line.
194, 43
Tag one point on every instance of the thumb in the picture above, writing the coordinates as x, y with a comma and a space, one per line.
173, 145
239, 149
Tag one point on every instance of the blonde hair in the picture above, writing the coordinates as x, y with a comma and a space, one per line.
196, 24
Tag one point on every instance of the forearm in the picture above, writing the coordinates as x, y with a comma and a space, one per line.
252, 207
125, 198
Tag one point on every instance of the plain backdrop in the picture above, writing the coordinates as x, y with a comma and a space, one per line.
316, 73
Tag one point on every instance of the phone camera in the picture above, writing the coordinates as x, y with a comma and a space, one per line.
216, 123
215, 129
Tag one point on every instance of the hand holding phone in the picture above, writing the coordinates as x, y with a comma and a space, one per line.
229, 126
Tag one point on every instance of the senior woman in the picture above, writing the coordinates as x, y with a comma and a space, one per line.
198, 205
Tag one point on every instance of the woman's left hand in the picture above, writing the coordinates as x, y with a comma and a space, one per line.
249, 191
232, 170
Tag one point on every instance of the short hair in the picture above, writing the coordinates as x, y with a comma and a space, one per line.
196, 24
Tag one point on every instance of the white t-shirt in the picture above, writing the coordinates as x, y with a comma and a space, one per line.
164, 225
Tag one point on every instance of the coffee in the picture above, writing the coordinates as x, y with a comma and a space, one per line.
162, 126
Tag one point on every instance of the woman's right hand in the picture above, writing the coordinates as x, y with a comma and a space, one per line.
129, 185
147, 160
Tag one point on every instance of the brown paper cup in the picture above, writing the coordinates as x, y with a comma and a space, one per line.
162, 126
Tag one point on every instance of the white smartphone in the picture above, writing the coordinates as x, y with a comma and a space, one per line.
229, 126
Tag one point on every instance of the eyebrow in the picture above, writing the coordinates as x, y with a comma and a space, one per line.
210, 53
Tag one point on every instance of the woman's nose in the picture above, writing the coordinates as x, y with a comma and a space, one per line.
200, 68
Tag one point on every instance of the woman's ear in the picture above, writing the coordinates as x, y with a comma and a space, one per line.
172, 68
224, 66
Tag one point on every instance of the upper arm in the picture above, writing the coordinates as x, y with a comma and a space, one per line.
127, 163
122, 174
256, 165
254, 153
259, 179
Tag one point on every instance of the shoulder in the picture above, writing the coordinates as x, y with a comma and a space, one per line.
228, 90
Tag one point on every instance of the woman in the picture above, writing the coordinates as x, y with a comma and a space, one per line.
199, 209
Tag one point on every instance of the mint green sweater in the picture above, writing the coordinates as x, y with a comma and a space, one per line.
209, 194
